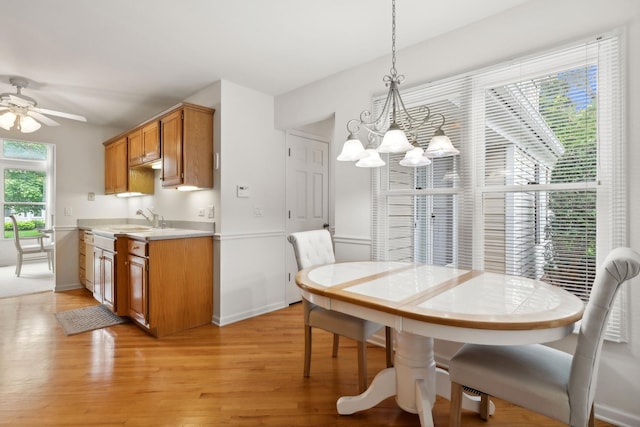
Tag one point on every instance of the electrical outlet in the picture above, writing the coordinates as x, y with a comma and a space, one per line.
68, 211
212, 211
200, 211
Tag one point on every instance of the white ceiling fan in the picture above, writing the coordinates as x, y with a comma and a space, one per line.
23, 112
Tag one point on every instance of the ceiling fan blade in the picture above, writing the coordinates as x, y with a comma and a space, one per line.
21, 100
42, 118
59, 114
2, 108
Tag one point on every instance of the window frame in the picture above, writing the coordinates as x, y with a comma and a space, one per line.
610, 183
34, 165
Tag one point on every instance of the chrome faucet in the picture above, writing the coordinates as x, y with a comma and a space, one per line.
155, 223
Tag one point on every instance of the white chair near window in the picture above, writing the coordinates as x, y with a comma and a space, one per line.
30, 245
313, 248
540, 378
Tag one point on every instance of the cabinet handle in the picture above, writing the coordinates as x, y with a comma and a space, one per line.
135, 247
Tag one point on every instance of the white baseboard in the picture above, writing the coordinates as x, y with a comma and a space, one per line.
227, 320
615, 416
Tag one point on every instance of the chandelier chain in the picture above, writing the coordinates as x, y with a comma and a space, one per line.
393, 39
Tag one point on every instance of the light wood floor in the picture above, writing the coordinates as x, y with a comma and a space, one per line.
245, 374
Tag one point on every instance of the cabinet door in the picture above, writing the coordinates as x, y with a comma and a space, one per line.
82, 263
136, 148
171, 129
109, 280
97, 274
138, 292
151, 142
116, 170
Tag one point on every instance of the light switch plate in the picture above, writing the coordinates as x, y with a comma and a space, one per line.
242, 191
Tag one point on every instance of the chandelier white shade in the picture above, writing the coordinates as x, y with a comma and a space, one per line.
395, 126
394, 141
352, 150
440, 146
371, 159
415, 158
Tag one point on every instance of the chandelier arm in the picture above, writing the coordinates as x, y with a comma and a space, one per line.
444, 120
376, 126
355, 129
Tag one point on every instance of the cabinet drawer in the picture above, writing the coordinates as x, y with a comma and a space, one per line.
136, 247
105, 243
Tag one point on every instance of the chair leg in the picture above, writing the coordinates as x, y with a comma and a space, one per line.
484, 406
307, 350
388, 346
19, 265
336, 341
362, 366
455, 412
592, 416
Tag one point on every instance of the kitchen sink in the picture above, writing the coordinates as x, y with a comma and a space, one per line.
125, 228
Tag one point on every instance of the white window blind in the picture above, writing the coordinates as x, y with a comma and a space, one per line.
539, 187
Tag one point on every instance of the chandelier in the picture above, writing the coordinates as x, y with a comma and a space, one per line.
402, 128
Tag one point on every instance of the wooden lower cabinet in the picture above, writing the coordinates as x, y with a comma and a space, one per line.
109, 284
82, 270
170, 284
138, 283
108, 275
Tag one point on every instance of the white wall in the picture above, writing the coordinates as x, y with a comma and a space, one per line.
79, 169
534, 26
251, 248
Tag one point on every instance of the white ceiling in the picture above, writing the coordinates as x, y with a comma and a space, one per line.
118, 62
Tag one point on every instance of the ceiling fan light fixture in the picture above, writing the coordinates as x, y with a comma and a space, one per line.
27, 124
7, 120
24, 112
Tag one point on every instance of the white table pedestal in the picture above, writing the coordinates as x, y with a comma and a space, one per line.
414, 380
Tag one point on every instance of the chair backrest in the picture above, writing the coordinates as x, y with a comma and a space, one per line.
313, 247
16, 233
620, 265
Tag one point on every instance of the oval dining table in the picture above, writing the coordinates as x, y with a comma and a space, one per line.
425, 302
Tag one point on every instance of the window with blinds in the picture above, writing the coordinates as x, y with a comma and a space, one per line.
539, 187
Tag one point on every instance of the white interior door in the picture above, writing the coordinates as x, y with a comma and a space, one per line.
307, 194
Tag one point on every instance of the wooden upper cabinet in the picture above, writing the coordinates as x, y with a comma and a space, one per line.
144, 144
187, 147
118, 176
136, 148
151, 142
115, 167
182, 137
171, 126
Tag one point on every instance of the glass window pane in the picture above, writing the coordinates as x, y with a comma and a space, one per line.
24, 150
30, 218
22, 185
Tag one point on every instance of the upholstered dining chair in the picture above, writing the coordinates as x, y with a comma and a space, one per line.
540, 378
313, 248
29, 245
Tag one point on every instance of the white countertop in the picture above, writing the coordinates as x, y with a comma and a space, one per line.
142, 232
